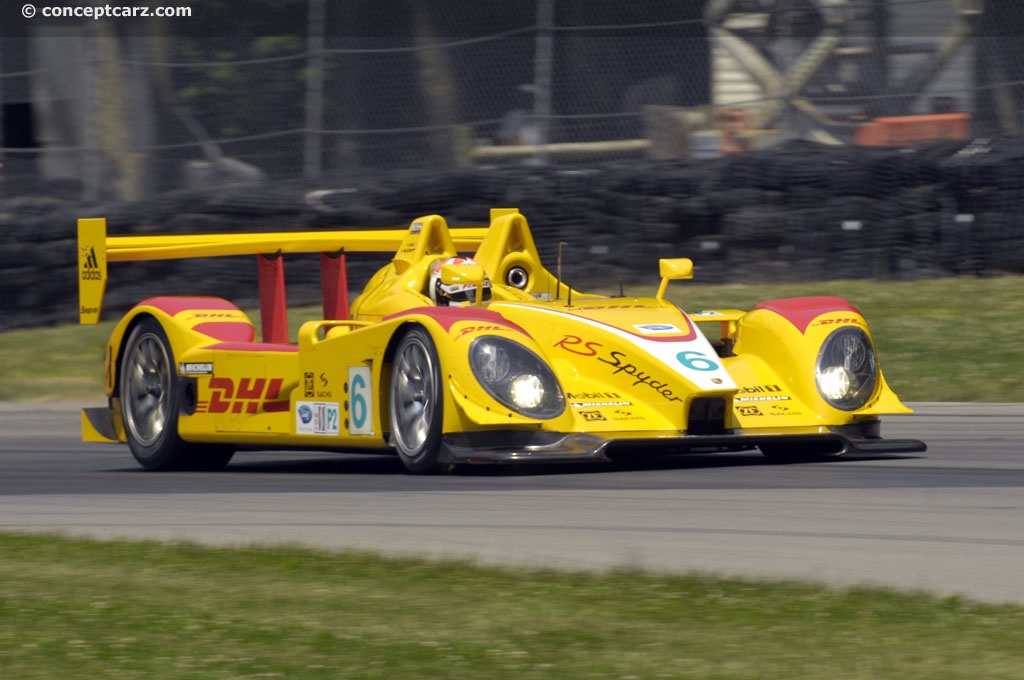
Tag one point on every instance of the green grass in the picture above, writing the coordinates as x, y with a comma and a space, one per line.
49, 364
938, 340
80, 609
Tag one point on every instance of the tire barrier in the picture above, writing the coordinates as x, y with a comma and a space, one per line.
797, 211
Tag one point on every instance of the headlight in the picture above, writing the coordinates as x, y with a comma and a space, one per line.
846, 371
516, 377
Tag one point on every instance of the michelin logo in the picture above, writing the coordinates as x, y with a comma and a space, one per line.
195, 368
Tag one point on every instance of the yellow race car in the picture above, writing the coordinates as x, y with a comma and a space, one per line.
465, 349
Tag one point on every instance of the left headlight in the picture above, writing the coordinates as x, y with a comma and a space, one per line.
516, 377
846, 371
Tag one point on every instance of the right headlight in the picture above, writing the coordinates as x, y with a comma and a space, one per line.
846, 371
516, 377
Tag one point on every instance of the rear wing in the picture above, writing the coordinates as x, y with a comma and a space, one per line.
96, 248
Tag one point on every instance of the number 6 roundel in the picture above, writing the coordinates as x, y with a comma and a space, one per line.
697, 361
360, 408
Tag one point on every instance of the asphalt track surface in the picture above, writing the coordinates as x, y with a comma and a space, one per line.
949, 521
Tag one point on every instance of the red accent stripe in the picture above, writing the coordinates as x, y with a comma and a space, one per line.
174, 305
449, 316
801, 311
227, 331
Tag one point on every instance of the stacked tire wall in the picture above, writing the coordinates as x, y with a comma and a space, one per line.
796, 212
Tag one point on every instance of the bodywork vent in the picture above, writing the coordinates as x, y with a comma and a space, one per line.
706, 416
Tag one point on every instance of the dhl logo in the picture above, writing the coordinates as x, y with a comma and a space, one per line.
478, 329
831, 322
252, 395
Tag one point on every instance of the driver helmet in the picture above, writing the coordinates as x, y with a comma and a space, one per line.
454, 293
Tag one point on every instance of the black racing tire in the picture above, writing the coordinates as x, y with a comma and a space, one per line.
417, 402
151, 396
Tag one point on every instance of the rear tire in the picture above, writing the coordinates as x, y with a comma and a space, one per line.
417, 402
151, 395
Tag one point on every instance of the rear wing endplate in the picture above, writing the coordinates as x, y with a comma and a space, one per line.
92, 268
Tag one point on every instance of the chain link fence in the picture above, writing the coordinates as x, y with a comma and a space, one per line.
284, 89
765, 139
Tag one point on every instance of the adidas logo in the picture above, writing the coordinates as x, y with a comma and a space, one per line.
90, 265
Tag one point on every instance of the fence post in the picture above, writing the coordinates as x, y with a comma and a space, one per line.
91, 166
542, 64
312, 155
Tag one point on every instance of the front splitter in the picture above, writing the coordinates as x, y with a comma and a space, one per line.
517, 446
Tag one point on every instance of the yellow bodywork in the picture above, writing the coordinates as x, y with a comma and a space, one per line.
630, 368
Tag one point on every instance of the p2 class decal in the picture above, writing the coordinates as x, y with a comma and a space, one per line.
360, 401
317, 418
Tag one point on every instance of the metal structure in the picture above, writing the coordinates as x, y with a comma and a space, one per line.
833, 64
311, 89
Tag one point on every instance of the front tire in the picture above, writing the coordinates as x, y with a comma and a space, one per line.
151, 392
417, 403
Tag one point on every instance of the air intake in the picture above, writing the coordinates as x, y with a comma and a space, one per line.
707, 416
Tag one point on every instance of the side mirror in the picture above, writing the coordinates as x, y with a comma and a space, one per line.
673, 270
464, 274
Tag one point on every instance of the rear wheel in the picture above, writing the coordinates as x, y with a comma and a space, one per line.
150, 392
416, 402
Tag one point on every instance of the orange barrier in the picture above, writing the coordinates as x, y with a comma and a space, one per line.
910, 130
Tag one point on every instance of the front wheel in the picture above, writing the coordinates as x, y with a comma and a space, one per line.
150, 392
416, 402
